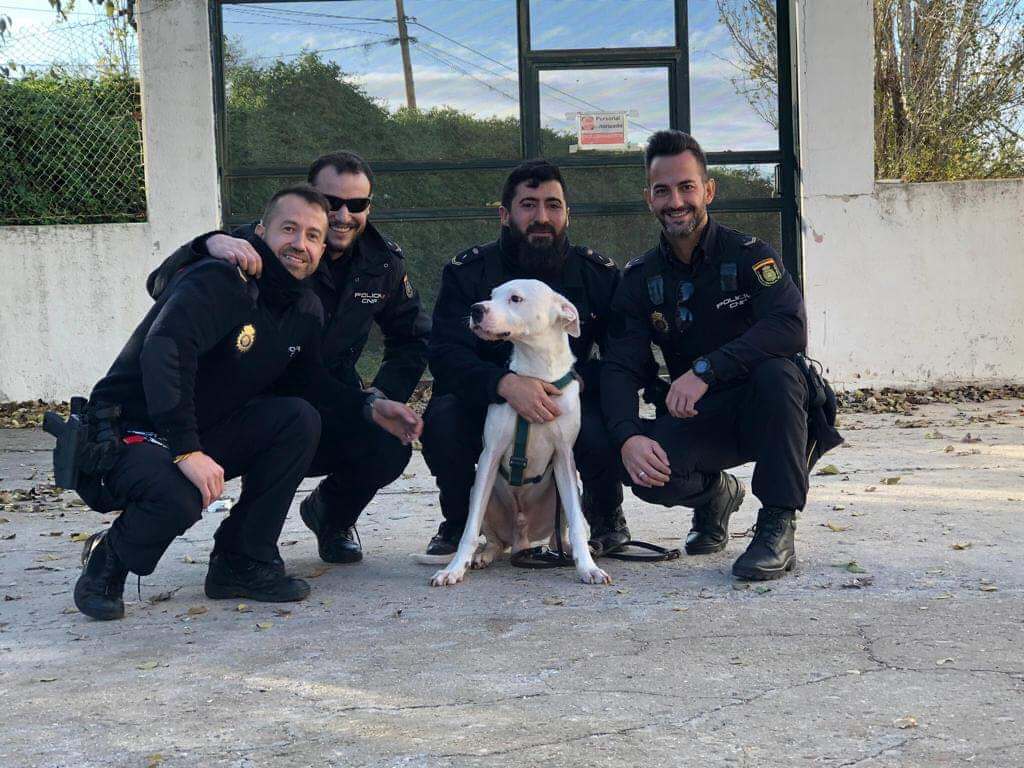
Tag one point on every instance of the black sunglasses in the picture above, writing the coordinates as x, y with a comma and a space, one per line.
354, 204
683, 315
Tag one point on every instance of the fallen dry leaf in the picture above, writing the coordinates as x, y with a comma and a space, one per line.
264, 625
828, 469
960, 545
197, 610
968, 439
838, 507
47, 679
942, 662
680, 609
317, 572
870, 489
905, 722
890, 480
148, 665
553, 601
989, 588
243, 608
161, 597
79, 536
836, 527
8, 536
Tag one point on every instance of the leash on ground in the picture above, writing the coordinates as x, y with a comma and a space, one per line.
543, 557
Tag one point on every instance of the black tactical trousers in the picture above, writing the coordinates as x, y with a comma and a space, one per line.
269, 444
763, 419
453, 440
359, 459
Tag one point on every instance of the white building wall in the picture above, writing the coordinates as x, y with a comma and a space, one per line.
906, 284
71, 295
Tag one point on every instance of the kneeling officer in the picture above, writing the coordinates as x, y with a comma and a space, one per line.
200, 394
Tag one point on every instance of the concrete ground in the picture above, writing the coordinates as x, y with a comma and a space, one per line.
896, 642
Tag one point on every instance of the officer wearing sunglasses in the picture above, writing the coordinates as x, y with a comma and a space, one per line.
361, 281
730, 323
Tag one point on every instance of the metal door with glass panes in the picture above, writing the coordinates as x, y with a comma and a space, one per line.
444, 97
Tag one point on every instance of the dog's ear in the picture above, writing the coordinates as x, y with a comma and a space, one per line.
569, 316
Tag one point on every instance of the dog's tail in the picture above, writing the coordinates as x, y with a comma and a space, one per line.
432, 559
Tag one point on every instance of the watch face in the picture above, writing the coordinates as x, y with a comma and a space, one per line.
701, 366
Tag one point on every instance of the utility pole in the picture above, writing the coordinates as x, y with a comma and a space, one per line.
403, 38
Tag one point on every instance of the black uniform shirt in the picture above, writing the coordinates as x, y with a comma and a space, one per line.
743, 308
468, 366
373, 287
213, 341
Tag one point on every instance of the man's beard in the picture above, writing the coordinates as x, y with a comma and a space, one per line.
675, 229
546, 258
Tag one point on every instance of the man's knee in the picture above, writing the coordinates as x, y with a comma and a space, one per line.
449, 432
779, 376
171, 498
665, 495
389, 458
301, 420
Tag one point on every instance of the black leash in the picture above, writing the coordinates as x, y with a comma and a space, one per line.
543, 557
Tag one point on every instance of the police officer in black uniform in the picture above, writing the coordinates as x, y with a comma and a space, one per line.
203, 392
729, 321
362, 281
470, 373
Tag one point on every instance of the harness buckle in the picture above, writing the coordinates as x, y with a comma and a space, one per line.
518, 461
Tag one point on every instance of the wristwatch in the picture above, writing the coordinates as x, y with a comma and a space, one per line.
702, 368
371, 398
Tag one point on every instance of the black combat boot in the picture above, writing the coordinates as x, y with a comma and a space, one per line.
772, 551
608, 533
445, 541
335, 543
100, 589
232, 575
602, 508
709, 531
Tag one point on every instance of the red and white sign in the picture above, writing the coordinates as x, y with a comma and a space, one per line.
601, 130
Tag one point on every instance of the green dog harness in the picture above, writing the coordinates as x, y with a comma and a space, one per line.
517, 463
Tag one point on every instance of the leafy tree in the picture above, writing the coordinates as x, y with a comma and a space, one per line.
949, 83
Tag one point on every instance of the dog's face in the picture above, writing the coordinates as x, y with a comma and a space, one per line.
520, 309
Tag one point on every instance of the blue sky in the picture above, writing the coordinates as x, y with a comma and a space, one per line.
464, 56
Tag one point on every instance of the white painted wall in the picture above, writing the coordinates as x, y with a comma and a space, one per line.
71, 295
906, 284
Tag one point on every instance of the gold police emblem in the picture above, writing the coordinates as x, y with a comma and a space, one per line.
246, 338
408, 286
659, 322
768, 272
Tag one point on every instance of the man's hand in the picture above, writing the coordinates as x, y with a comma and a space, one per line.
398, 419
684, 394
237, 251
530, 397
646, 462
205, 474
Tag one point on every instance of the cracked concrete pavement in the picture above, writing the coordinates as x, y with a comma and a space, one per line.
896, 642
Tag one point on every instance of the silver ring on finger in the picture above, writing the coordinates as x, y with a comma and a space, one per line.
641, 473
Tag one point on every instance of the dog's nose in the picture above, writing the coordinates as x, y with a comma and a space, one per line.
477, 312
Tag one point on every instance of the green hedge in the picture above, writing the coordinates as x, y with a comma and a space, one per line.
70, 151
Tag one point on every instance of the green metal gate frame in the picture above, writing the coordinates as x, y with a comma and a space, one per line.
531, 62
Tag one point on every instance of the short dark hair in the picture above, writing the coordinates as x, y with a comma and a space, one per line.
534, 173
305, 191
344, 161
674, 143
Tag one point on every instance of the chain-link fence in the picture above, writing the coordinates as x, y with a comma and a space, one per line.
71, 125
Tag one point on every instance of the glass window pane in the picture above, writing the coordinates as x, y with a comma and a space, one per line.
733, 75
765, 226
601, 24
736, 182
439, 189
620, 237
578, 102
302, 79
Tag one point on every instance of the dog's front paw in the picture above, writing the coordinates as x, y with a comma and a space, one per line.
447, 577
593, 575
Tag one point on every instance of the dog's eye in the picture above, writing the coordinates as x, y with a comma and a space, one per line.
515, 299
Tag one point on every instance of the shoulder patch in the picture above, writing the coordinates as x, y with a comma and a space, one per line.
468, 255
768, 271
635, 262
393, 246
750, 242
591, 255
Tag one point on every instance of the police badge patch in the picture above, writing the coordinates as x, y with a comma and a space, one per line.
246, 338
768, 272
408, 287
659, 322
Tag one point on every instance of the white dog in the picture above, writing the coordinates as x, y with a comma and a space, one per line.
517, 511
